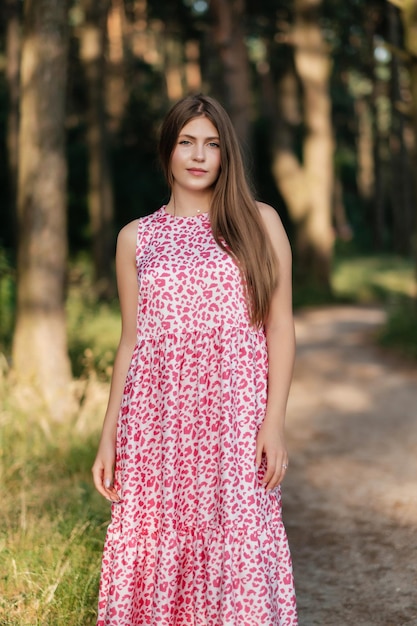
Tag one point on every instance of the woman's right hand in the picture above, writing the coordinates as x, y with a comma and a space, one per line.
102, 471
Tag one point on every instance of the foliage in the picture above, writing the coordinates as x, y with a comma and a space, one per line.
7, 300
93, 327
373, 279
376, 279
399, 334
351, 29
387, 280
382, 280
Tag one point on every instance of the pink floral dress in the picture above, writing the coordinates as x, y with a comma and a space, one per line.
195, 540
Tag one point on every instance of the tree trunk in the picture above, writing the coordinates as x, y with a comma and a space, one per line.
365, 149
315, 233
192, 66
140, 43
288, 172
374, 181
174, 67
380, 94
100, 196
401, 191
342, 227
308, 189
13, 45
147, 36
410, 29
40, 345
229, 33
116, 90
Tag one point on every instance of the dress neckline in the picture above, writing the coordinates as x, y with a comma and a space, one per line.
183, 217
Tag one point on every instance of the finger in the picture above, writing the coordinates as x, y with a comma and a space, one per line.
259, 451
281, 465
278, 477
103, 483
109, 486
270, 470
98, 481
113, 495
275, 481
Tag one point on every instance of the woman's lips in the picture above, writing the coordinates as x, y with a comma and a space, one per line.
196, 172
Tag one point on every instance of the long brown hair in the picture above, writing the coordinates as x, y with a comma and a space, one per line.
234, 216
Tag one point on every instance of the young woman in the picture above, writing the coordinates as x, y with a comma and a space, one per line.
192, 451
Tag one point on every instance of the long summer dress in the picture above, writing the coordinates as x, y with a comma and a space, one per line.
196, 540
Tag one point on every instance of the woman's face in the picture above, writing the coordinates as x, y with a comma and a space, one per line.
195, 160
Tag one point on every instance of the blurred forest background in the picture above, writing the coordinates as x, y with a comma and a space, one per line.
323, 95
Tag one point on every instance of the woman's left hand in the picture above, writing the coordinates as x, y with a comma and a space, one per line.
271, 442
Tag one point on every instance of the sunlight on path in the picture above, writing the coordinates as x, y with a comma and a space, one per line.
351, 495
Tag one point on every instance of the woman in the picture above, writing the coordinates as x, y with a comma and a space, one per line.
195, 421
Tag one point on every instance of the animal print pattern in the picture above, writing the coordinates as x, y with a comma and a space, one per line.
195, 540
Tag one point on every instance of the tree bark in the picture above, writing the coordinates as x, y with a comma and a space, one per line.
100, 195
307, 189
365, 148
140, 43
380, 94
371, 112
192, 66
410, 31
401, 182
229, 33
174, 67
289, 173
40, 345
116, 90
13, 49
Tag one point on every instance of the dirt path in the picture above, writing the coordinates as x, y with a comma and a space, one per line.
350, 497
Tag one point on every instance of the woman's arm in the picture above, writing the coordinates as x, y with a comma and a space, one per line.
280, 337
127, 285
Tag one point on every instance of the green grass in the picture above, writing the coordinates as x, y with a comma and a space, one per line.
373, 279
93, 327
391, 282
52, 523
376, 279
399, 334
93, 334
7, 299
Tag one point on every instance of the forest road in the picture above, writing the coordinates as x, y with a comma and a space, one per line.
350, 495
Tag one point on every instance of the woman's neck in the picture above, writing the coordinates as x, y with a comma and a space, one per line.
186, 204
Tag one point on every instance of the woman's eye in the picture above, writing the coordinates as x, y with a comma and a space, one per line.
213, 144
184, 142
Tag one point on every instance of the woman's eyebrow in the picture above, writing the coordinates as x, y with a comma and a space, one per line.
192, 137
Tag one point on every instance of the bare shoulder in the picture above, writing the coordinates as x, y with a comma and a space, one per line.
266, 209
126, 242
128, 233
274, 228
269, 215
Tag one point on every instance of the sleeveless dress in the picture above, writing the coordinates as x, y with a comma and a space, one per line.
195, 540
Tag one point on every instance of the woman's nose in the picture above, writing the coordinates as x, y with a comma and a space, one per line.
198, 153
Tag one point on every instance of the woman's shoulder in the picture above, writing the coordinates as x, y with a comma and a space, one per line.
275, 229
130, 231
269, 215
